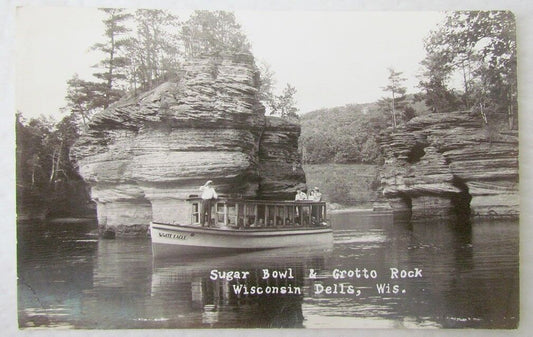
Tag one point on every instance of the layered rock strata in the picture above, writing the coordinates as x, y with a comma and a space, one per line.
144, 156
451, 164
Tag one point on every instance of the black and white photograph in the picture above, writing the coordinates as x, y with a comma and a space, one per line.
265, 169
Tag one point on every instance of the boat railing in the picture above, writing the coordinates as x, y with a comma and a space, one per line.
252, 213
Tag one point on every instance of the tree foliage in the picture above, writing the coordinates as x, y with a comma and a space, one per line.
154, 51
397, 91
266, 85
213, 33
141, 58
346, 134
83, 98
113, 66
479, 47
284, 105
46, 178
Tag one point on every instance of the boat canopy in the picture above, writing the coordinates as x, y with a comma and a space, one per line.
251, 213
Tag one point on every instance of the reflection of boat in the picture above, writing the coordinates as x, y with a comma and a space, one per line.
241, 225
187, 286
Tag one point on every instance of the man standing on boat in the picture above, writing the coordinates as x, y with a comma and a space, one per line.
208, 195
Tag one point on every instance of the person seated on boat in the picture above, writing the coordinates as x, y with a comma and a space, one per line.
300, 195
259, 223
208, 196
250, 221
315, 195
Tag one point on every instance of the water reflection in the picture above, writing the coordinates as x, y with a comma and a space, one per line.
260, 289
70, 278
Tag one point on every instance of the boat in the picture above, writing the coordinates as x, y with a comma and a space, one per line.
239, 225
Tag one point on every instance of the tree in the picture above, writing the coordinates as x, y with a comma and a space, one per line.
480, 46
284, 105
83, 99
154, 51
397, 92
114, 64
266, 86
434, 79
46, 178
213, 33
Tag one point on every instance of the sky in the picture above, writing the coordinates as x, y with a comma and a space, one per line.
332, 57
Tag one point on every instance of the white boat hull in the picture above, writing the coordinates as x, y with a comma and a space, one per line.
175, 240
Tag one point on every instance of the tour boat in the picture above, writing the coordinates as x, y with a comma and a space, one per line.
244, 225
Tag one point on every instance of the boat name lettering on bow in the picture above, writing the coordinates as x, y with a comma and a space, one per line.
173, 236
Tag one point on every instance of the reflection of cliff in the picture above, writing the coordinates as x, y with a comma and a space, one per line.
441, 164
143, 156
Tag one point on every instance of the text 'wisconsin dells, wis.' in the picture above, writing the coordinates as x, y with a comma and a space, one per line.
362, 274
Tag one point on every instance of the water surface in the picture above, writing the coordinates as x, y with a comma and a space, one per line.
68, 277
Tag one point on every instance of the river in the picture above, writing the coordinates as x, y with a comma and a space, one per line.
380, 272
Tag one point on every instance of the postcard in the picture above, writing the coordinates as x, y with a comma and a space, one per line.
266, 169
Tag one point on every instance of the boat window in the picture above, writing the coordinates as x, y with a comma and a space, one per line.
250, 213
220, 215
195, 216
231, 218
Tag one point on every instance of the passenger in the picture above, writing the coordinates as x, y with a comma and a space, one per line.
208, 196
316, 209
315, 195
251, 221
300, 195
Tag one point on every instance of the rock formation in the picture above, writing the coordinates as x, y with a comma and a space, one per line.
451, 164
144, 156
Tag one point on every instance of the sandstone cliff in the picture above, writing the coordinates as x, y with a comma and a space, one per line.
451, 164
144, 156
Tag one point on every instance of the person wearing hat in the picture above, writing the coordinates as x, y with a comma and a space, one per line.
208, 195
316, 195
300, 195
